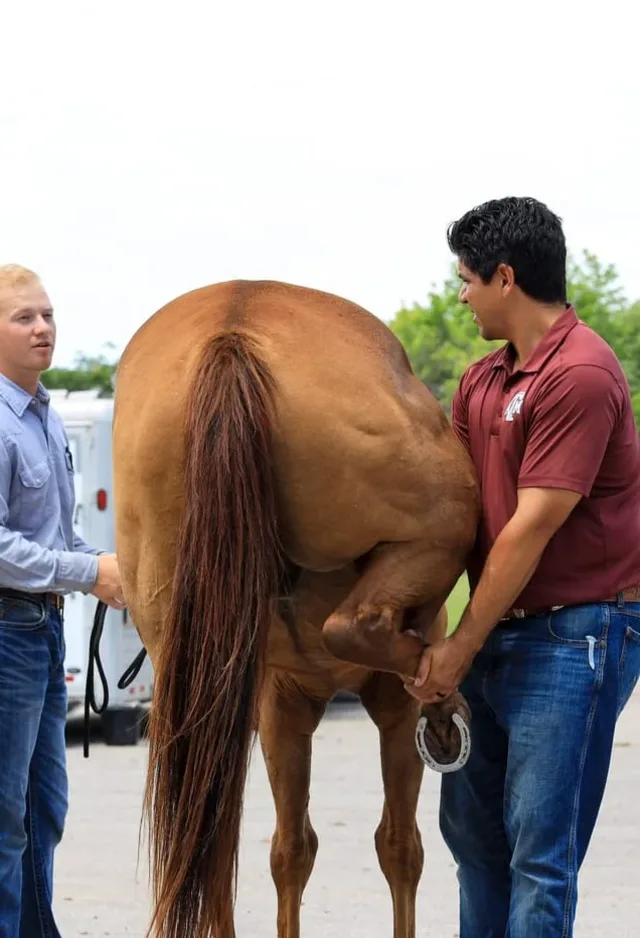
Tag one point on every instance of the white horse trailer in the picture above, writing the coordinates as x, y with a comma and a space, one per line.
88, 421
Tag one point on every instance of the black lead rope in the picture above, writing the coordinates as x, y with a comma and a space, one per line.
133, 669
95, 661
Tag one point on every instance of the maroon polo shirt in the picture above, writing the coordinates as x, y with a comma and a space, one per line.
563, 420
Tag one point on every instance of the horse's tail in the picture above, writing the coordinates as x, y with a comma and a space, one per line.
228, 567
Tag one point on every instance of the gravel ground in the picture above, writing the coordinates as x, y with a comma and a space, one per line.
100, 892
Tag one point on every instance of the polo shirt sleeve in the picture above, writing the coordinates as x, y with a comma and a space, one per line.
569, 429
460, 414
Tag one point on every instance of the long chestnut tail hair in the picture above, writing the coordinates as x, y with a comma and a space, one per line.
208, 678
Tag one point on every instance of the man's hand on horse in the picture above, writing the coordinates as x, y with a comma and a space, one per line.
442, 667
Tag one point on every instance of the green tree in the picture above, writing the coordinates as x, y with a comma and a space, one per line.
441, 338
87, 372
626, 344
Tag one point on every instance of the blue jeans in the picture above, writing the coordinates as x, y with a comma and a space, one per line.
33, 776
545, 694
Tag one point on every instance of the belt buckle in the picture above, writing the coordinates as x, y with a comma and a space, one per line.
519, 613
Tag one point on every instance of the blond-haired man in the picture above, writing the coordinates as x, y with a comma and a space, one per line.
41, 558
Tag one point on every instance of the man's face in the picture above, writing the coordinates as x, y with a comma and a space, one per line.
27, 331
485, 300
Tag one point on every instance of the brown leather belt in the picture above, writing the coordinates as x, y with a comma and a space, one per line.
47, 599
630, 594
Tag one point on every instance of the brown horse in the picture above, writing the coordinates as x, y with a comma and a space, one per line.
292, 511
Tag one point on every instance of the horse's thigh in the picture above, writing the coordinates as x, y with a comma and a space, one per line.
146, 569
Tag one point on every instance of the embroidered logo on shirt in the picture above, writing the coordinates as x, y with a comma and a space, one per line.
514, 406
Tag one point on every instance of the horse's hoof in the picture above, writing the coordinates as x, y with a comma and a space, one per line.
425, 754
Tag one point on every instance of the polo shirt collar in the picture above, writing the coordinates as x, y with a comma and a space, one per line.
18, 399
545, 348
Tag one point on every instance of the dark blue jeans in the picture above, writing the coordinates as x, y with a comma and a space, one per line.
545, 694
33, 777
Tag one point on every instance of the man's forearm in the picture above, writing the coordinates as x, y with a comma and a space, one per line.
26, 565
510, 565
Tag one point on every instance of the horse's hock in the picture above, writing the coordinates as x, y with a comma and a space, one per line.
291, 434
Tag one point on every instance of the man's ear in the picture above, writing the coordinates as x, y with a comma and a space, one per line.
507, 278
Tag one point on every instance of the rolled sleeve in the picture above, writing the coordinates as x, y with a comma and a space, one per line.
77, 571
570, 427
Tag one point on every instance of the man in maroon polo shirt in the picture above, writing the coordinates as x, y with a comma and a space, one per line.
547, 652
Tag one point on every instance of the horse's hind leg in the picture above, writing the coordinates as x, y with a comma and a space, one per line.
366, 628
402, 589
288, 720
398, 840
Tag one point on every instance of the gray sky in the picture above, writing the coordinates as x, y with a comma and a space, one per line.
150, 148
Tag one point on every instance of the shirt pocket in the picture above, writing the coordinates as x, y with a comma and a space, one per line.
34, 486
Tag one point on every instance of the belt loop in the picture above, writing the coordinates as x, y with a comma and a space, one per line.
620, 602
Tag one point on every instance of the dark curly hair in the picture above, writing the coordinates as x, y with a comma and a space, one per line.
520, 232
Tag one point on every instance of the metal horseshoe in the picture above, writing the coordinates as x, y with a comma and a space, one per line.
428, 759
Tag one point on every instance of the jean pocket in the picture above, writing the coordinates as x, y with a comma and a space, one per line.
629, 668
578, 626
21, 615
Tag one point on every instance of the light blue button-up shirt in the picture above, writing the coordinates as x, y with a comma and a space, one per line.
39, 550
